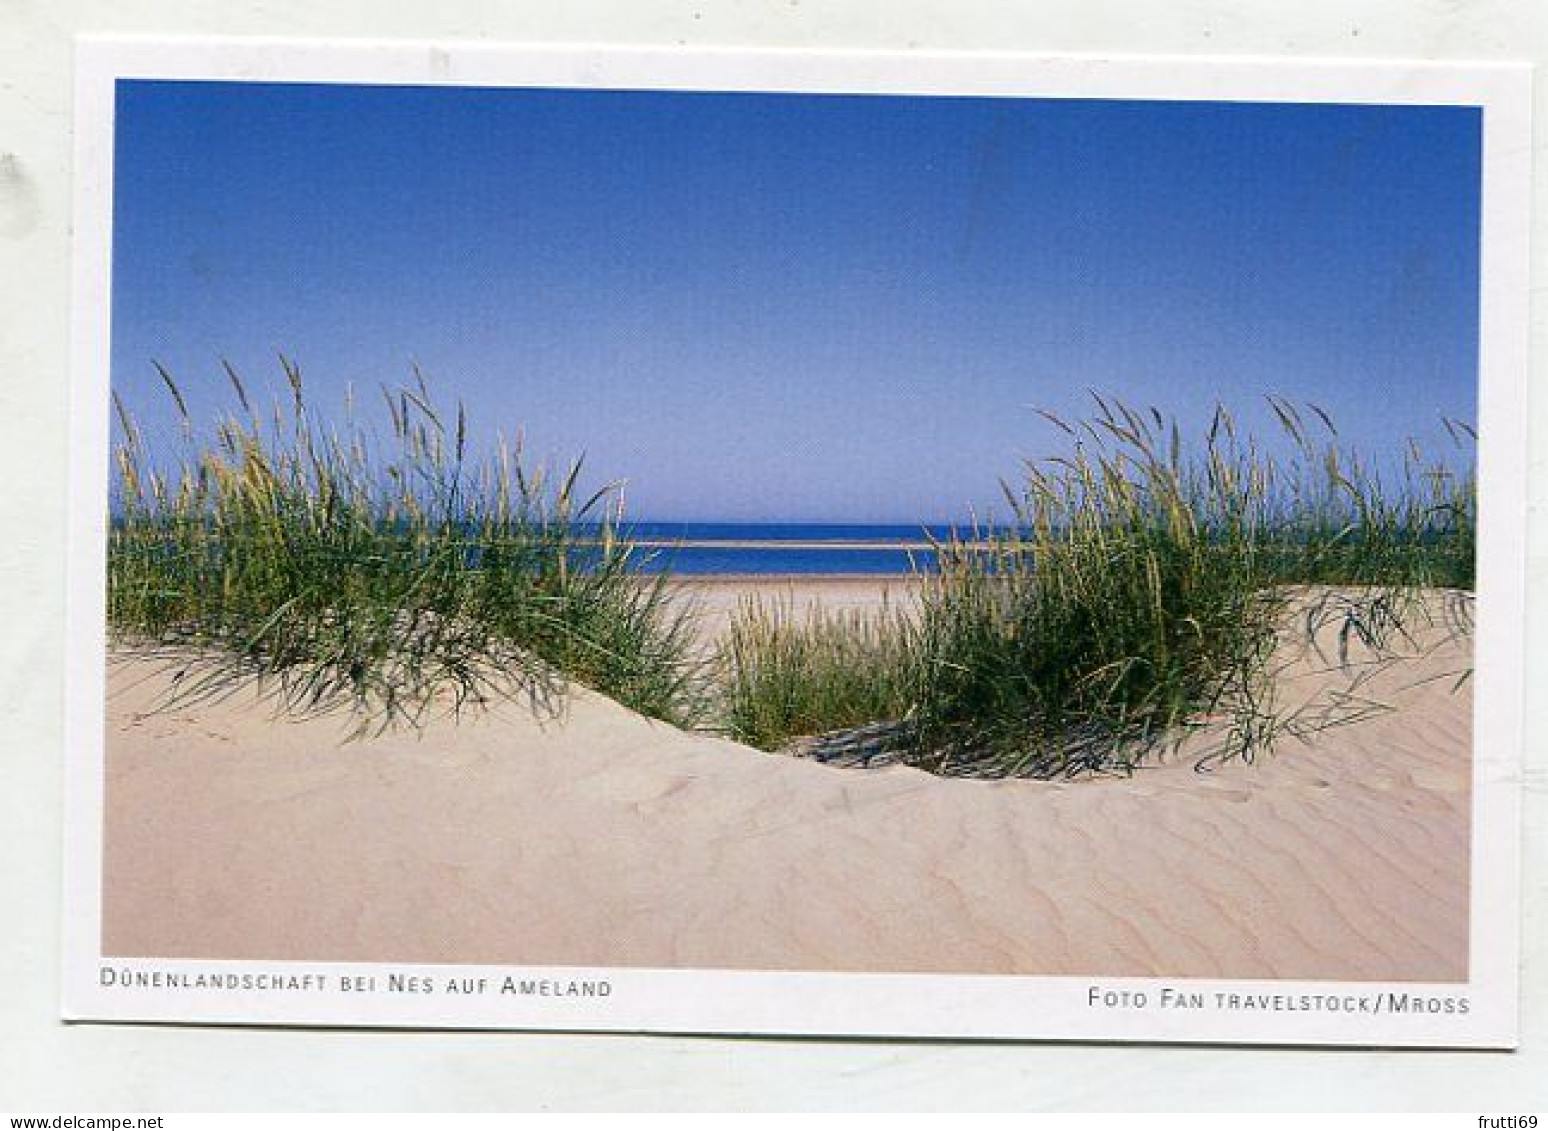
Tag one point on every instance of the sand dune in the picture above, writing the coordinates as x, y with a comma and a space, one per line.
606, 839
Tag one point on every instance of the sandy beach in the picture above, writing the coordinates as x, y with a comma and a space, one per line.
715, 599
604, 839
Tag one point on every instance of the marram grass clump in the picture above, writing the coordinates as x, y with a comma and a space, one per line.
396, 575
1142, 585
789, 673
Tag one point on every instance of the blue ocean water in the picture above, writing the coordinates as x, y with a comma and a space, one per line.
699, 548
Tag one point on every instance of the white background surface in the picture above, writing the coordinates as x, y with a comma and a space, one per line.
47, 1066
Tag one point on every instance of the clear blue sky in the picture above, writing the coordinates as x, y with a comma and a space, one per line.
788, 307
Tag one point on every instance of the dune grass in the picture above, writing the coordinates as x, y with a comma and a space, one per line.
397, 575
1141, 585
790, 673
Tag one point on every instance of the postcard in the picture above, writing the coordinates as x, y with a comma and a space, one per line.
966, 546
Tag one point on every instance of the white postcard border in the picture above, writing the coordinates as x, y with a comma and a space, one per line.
702, 1001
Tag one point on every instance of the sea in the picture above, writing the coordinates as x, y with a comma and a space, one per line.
767, 549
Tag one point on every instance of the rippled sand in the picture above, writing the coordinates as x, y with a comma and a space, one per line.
605, 839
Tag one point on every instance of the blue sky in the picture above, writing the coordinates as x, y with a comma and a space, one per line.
797, 307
